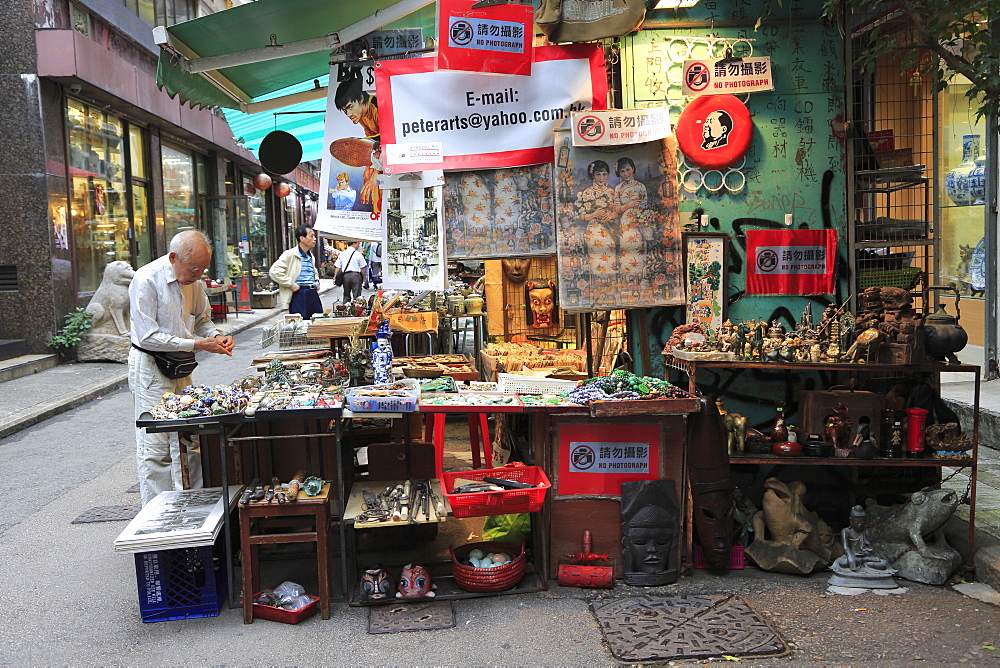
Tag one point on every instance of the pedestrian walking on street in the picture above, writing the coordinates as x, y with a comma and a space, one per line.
352, 264
295, 274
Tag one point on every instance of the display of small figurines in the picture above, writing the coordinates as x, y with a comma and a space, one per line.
382, 354
889, 311
726, 335
276, 373
357, 366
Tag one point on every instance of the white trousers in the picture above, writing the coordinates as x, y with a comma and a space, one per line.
158, 455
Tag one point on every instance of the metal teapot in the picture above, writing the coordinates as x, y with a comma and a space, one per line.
943, 336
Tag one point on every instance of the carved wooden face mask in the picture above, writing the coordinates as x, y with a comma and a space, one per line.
516, 269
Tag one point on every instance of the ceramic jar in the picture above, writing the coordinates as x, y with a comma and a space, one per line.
977, 181
456, 305
474, 304
957, 183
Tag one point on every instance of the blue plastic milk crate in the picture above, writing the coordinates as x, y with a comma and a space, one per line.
180, 584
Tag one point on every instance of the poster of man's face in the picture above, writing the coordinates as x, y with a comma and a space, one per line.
715, 131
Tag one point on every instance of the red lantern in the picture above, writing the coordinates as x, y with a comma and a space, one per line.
262, 181
282, 189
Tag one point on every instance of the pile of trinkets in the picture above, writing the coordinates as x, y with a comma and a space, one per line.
622, 385
470, 399
200, 401
547, 400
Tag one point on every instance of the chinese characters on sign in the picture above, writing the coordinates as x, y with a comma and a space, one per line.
589, 457
710, 76
492, 40
619, 126
790, 262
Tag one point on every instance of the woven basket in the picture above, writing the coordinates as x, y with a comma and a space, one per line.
498, 578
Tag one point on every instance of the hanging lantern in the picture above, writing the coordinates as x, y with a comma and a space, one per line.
262, 181
282, 189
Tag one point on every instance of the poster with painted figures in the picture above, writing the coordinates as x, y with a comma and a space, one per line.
494, 213
414, 257
619, 242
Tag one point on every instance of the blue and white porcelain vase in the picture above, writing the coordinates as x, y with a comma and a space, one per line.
957, 184
977, 181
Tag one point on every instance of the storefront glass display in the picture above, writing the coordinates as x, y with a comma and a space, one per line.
98, 208
961, 193
179, 214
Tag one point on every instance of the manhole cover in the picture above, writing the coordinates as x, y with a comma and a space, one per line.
651, 628
411, 617
134, 489
107, 514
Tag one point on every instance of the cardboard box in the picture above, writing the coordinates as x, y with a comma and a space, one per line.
410, 323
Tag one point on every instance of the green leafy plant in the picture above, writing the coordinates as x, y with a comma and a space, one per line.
77, 324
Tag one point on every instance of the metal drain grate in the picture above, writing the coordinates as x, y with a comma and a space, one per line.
411, 617
660, 628
108, 514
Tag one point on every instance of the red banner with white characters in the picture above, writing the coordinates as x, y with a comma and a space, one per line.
791, 262
493, 40
488, 121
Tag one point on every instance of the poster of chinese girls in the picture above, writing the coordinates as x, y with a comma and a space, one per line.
619, 242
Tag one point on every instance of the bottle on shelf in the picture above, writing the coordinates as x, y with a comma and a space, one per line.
893, 434
779, 433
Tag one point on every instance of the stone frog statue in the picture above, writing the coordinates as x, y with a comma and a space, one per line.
789, 538
900, 535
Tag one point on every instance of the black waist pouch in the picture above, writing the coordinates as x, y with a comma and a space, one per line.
173, 365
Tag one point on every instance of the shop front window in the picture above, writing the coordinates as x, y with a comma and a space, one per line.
179, 213
961, 193
99, 213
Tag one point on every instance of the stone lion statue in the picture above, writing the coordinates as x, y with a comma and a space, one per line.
110, 303
109, 329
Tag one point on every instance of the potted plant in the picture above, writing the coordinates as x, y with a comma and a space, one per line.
67, 338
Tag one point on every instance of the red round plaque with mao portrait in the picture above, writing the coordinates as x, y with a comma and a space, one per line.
714, 131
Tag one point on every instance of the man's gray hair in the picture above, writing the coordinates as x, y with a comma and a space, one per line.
185, 243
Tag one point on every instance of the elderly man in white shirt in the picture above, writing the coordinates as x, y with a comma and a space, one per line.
170, 312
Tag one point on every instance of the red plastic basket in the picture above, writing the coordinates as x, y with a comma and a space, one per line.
509, 501
261, 611
498, 578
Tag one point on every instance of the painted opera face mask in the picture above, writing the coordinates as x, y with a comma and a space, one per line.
541, 301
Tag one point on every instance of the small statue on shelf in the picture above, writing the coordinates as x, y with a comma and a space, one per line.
757, 344
838, 430
726, 334
806, 320
833, 348
382, 354
740, 341
859, 567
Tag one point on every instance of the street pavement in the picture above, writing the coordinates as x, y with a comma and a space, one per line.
67, 598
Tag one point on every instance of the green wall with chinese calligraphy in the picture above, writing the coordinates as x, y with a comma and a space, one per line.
795, 163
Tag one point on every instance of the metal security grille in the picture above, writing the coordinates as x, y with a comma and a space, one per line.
891, 149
